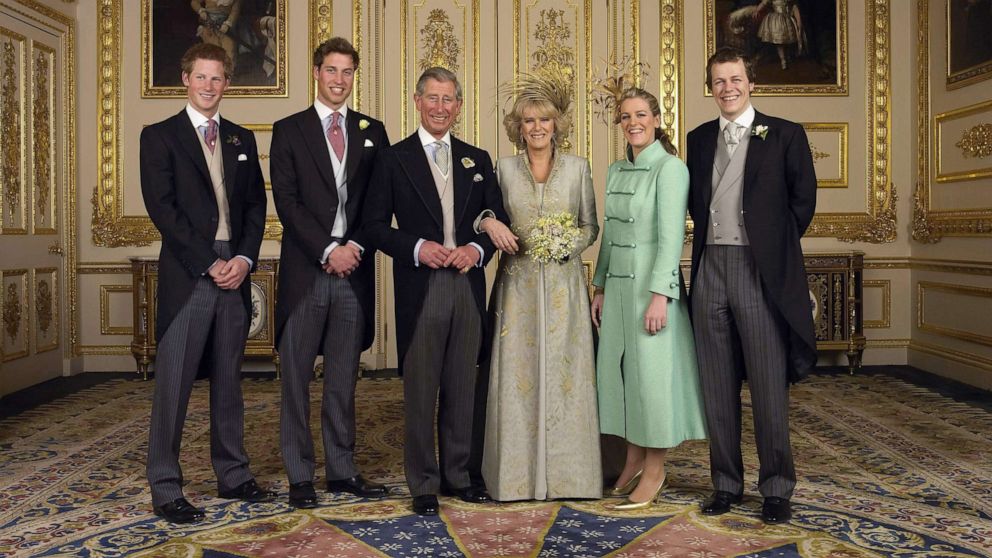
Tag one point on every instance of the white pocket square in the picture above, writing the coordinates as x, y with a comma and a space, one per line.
242, 157
477, 178
368, 143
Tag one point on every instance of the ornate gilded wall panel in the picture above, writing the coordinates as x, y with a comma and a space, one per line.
107, 325
13, 154
43, 139
931, 224
939, 308
963, 143
828, 142
885, 308
446, 34
46, 309
553, 38
16, 315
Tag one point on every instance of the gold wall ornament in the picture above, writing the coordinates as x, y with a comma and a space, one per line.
554, 60
12, 312
321, 28
670, 69
43, 131
931, 225
976, 142
10, 122
817, 154
440, 45
43, 305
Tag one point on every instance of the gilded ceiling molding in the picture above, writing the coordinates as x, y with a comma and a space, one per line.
878, 224
976, 142
930, 226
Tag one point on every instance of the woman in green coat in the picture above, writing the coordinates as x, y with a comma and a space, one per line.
647, 381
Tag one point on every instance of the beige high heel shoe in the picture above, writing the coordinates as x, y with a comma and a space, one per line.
630, 505
620, 491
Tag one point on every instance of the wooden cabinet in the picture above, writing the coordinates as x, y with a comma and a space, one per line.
835, 295
261, 332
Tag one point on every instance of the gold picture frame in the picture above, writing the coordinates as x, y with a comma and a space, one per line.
969, 43
814, 63
252, 31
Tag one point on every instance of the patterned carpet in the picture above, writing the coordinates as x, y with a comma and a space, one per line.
886, 469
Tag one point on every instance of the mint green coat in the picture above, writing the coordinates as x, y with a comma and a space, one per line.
648, 385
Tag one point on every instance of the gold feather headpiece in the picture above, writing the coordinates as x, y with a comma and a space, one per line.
612, 81
556, 88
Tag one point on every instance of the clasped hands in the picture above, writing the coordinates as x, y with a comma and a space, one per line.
342, 260
655, 317
436, 256
228, 274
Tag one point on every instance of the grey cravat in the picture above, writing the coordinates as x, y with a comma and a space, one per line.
732, 135
441, 158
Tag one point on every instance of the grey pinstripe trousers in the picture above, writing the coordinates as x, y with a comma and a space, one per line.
331, 318
739, 335
440, 368
176, 363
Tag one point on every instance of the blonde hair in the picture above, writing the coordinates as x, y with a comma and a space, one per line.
652, 101
513, 121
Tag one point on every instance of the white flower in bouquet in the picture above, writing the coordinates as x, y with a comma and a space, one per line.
553, 238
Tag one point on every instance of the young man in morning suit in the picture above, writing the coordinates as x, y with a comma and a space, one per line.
752, 196
322, 159
203, 189
435, 185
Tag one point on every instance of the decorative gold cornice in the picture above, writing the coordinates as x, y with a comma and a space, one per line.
976, 142
929, 225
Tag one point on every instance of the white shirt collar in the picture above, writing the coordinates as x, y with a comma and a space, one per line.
198, 119
426, 138
323, 111
745, 119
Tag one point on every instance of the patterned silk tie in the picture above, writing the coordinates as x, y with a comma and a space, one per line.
210, 134
335, 136
732, 135
441, 158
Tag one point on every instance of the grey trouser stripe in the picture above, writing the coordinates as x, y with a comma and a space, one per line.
329, 317
739, 335
440, 367
179, 353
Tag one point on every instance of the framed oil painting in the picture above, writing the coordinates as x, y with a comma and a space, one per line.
799, 47
253, 32
969, 42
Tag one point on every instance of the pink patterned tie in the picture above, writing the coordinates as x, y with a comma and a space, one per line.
335, 136
210, 136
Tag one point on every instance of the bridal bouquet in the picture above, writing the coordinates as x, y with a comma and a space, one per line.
553, 238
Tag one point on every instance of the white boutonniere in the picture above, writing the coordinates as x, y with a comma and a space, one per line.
362, 124
760, 130
468, 163
477, 178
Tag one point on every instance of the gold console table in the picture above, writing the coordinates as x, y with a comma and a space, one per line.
835, 294
261, 332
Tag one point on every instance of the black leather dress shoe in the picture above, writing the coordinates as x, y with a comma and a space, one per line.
249, 491
470, 494
425, 504
720, 502
358, 486
302, 495
776, 510
179, 511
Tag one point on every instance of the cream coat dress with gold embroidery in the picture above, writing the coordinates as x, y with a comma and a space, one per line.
542, 428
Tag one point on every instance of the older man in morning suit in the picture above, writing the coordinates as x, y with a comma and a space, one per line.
203, 189
435, 185
322, 159
752, 196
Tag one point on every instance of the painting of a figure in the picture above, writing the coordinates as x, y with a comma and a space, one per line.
251, 31
798, 46
969, 42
